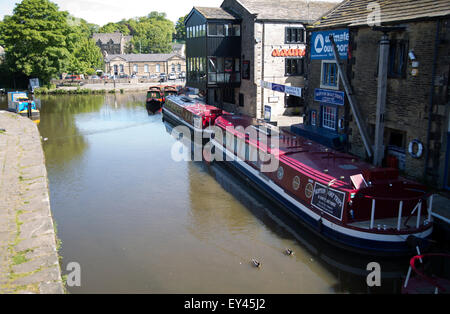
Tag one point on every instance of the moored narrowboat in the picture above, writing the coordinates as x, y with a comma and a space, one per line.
170, 91
190, 112
155, 98
19, 102
346, 201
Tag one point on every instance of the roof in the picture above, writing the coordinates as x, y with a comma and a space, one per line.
153, 57
115, 37
215, 13
292, 10
355, 12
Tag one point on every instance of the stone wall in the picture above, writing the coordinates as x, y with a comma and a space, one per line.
408, 98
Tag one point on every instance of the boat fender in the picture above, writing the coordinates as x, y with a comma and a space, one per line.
413, 242
419, 152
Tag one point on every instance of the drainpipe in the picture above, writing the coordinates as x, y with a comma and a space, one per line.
381, 100
430, 106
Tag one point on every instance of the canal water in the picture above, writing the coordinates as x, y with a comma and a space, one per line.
137, 221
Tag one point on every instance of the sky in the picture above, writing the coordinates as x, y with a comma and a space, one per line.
103, 11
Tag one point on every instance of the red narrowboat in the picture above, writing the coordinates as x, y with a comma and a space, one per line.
344, 200
155, 98
193, 113
170, 91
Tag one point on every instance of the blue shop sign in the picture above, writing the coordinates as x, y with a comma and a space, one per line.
321, 48
329, 96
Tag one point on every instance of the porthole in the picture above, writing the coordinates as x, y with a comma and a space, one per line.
280, 173
309, 190
296, 183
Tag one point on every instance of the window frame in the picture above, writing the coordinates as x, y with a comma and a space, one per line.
298, 30
287, 66
325, 84
331, 124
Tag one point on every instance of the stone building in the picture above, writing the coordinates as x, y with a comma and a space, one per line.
179, 49
144, 65
112, 43
271, 43
402, 108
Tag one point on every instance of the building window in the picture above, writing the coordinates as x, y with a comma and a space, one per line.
228, 95
295, 35
330, 77
398, 54
173, 67
179, 67
294, 67
146, 68
236, 30
212, 29
292, 101
121, 68
329, 117
135, 68
158, 68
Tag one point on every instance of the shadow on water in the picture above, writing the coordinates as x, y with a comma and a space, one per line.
349, 269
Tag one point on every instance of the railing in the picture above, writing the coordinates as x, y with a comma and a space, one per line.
432, 281
417, 207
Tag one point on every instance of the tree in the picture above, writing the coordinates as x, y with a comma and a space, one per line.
85, 58
180, 29
35, 39
115, 27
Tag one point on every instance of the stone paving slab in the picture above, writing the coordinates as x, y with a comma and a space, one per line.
29, 261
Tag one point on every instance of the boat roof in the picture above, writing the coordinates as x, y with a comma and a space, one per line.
313, 159
193, 105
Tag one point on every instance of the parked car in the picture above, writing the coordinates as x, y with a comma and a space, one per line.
163, 77
172, 76
124, 76
94, 77
153, 76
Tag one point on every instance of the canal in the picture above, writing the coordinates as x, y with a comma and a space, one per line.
139, 222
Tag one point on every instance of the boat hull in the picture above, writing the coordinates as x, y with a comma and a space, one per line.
350, 239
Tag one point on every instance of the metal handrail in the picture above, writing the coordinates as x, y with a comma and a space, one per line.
418, 207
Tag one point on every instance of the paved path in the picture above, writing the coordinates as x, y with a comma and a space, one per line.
28, 246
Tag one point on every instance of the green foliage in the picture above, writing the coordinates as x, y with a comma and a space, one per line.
151, 33
180, 29
41, 41
34, 38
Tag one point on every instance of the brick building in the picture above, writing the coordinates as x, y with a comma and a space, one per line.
144, 64
259, 48
406, 119
112, 43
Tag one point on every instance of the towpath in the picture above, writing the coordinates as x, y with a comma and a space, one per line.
29, 261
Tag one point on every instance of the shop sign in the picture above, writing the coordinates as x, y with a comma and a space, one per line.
321, 47
297, 52
329, 96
